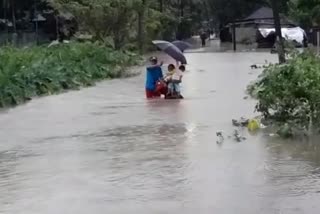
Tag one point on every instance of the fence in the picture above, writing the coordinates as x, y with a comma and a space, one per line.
23, 38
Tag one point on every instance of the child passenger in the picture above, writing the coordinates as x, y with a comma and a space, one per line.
174, 78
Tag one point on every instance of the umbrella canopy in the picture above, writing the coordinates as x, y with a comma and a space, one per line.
182, 45
171, 50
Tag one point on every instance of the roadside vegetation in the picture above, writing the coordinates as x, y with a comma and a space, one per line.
107, 37
289, 95
35, 71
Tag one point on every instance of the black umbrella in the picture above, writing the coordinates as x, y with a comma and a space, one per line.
182, 45
171, 50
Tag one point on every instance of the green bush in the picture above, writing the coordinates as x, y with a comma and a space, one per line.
35, 71
290, 93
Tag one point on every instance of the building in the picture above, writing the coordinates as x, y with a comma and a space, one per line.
258, 28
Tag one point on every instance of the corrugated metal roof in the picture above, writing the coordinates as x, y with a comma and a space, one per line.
262, 13
265, 14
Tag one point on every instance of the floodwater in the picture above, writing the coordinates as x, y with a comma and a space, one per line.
106, 149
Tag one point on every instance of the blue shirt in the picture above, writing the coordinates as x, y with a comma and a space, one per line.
154, 73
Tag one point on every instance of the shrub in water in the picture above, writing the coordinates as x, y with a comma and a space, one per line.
290, 93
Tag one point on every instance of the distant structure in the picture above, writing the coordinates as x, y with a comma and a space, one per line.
37, 27
258, 29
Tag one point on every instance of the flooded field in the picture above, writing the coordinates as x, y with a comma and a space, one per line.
106, 149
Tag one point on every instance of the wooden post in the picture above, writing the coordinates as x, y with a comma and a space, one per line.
234, 38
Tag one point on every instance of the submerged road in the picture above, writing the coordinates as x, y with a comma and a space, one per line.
106, 149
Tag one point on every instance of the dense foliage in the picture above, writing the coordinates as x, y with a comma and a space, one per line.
136, 22
120, 22
290, 93
306, 12
25, 73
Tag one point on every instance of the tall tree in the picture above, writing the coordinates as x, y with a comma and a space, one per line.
276, 16
161, 5
13, 14
306, 12
141, 25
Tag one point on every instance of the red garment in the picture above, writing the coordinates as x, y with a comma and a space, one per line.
161, 87
152, 94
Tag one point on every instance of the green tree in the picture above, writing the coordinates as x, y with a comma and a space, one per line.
103, 19
306, 12
119, 21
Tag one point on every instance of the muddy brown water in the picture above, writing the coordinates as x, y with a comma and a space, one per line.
106, 149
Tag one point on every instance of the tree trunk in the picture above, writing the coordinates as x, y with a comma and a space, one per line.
277, 23
13, 16
161, 6
141, 26
117, 40
57, 27
5, 8
14, 35
181, 8
35, 12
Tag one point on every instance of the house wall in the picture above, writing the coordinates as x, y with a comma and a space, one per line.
246, 34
